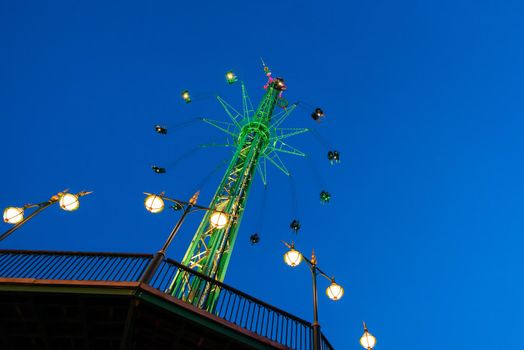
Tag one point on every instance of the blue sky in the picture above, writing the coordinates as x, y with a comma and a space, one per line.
424, 103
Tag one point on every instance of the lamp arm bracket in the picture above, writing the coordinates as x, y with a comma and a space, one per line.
199, 207
83, 193
182, 203
310, 263
30, 205
290, 246
324, 274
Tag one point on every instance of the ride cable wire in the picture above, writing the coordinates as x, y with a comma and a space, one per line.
316, 173
201, 96
183, 156
206, 178
260, 223
182, 124
294, 197
323, 142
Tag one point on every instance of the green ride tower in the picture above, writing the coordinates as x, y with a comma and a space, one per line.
258, 139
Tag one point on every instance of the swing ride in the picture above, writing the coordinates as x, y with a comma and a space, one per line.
295, 225
254, 238
334, 157
317, 114
231, 78
158, 169
258, 139
161, 130
185, 96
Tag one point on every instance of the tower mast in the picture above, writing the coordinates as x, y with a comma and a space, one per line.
212, 245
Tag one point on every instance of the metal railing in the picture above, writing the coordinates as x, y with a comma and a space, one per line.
241, 309
73, 266
232, 305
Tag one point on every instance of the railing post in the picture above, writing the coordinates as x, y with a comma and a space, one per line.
152, 267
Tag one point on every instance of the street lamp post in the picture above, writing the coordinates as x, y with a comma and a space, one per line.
15, 215
293, 258
155, 204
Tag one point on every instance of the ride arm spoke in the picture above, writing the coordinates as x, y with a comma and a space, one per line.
262, 170
283, 147
275, 159
226, 127
246, 103
279, 119
213, 144
227, 108
282, 133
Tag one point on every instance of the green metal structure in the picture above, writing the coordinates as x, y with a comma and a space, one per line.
258, 138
